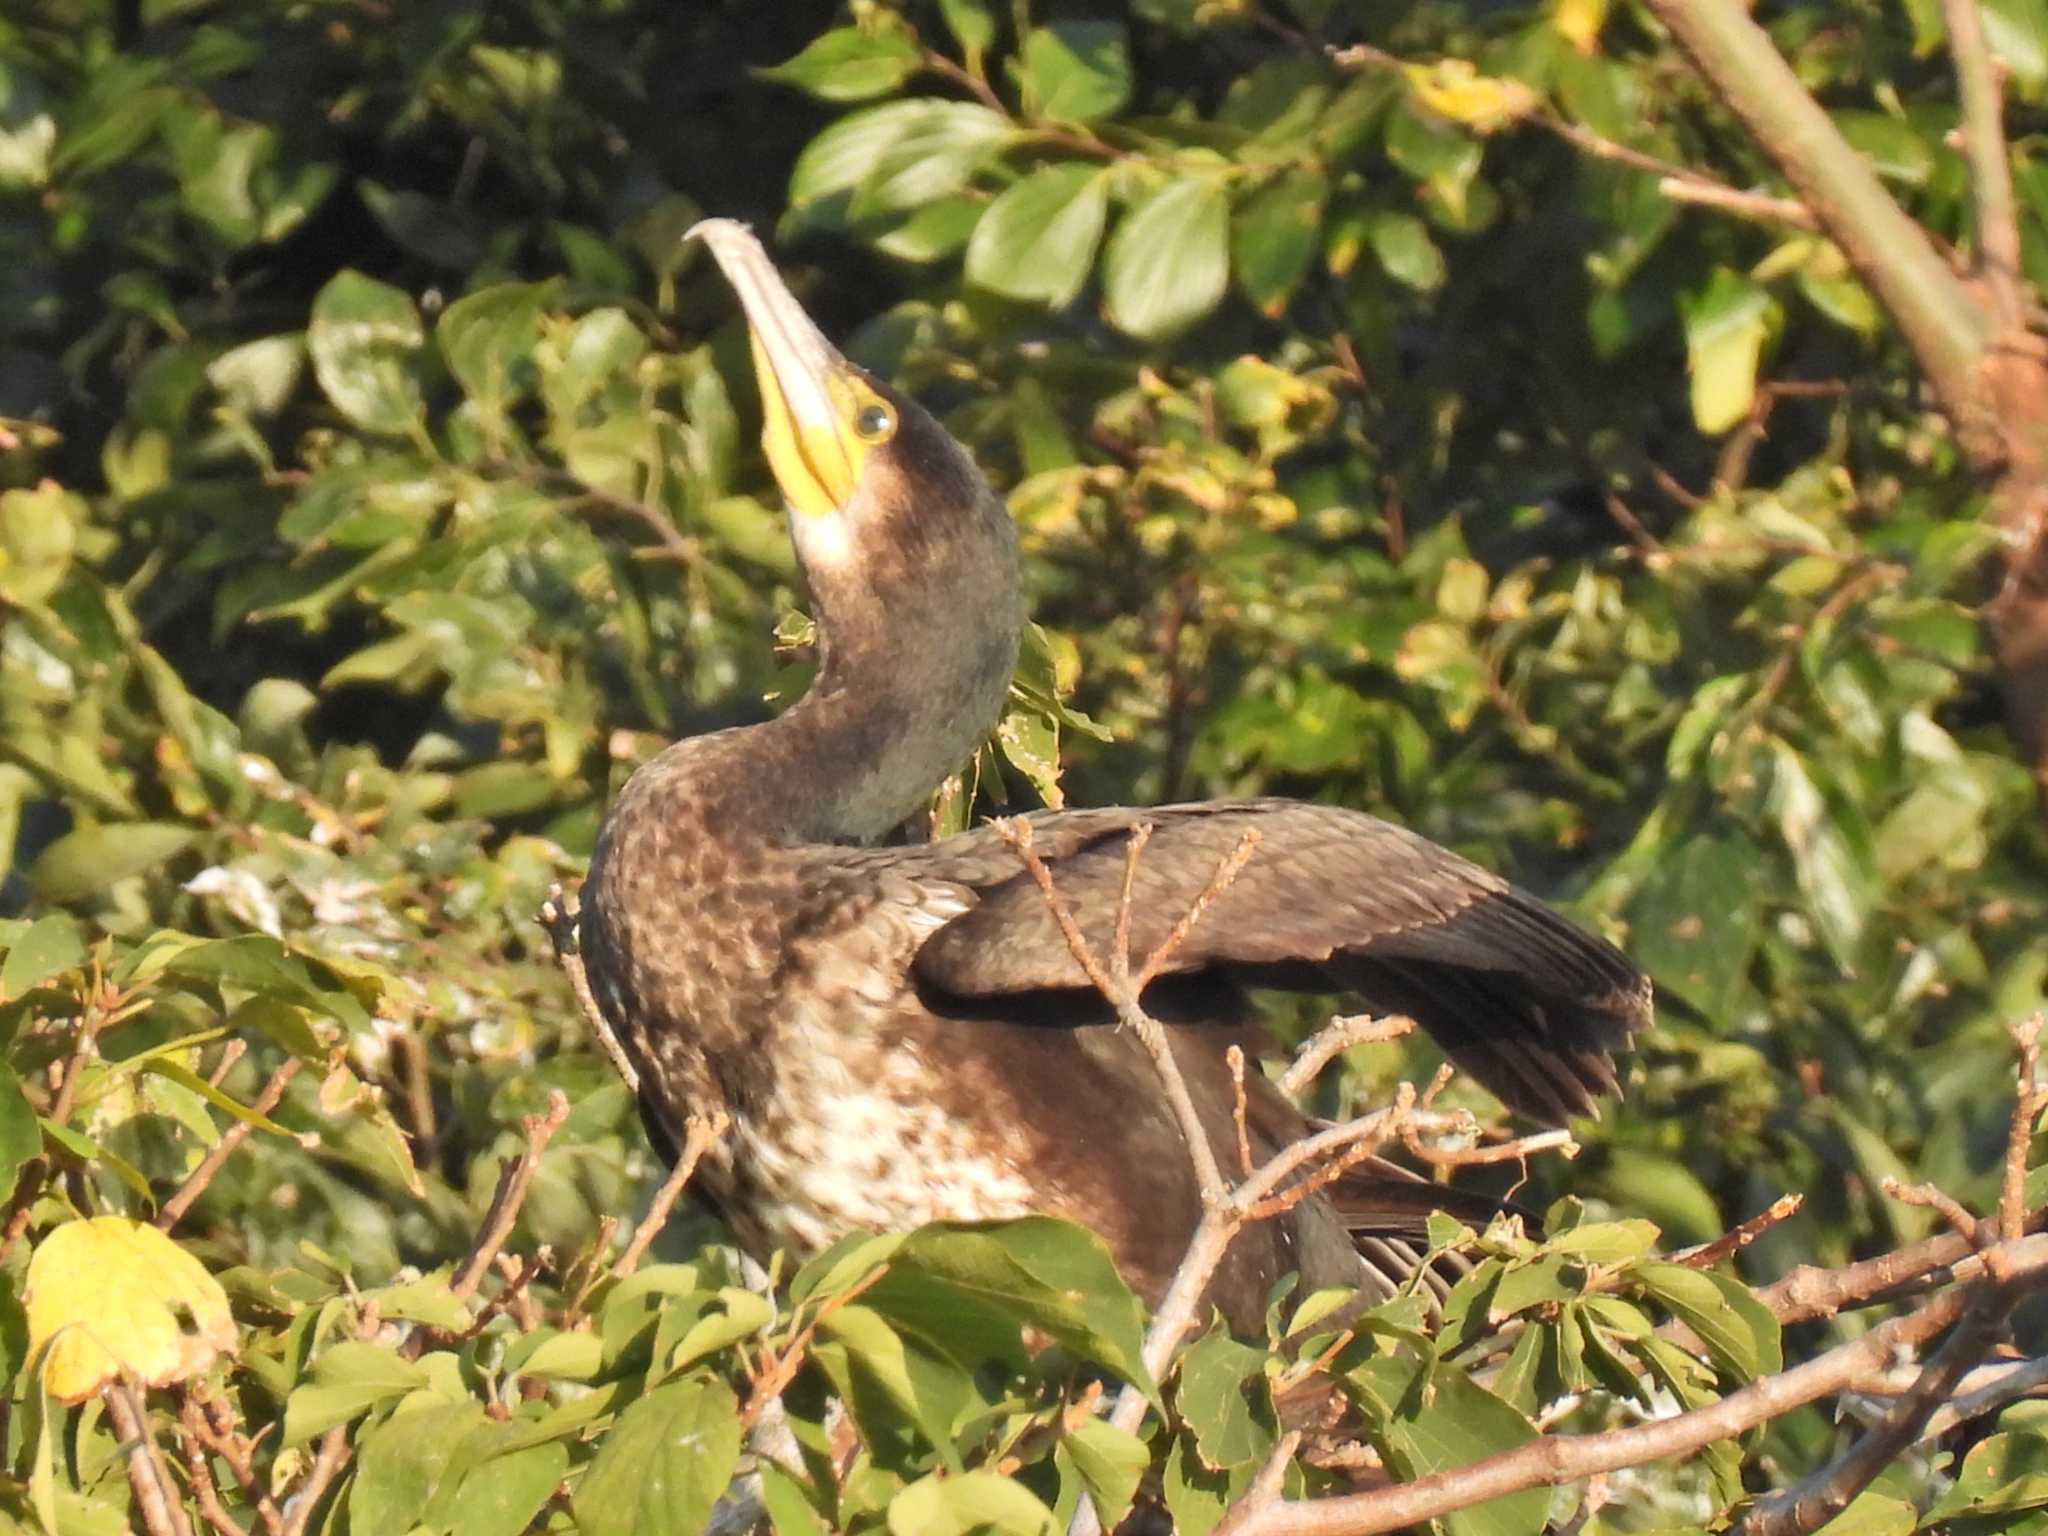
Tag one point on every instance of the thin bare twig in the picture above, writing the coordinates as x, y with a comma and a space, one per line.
156, 1496
1238, 1108
1815, 1500
1941, 1202
558, 917
779, 1367
1227, 871
174, 1209
199, 1477
513, 1182
210, 1422
333, 1455
1996, 215
230, 1053
1122, 990
2019, 1140
699, 1132
1518, 1149
1986, 1390
1335, 1038
1737, 1238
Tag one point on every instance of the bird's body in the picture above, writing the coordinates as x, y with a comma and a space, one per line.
901, 1034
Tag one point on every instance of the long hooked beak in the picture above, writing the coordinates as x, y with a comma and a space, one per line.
807, 401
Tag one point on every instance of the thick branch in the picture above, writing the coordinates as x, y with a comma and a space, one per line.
1946, 330
1813, 1501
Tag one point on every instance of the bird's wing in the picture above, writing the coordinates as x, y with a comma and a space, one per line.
1331, 899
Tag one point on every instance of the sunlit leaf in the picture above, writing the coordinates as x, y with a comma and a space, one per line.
108, 1295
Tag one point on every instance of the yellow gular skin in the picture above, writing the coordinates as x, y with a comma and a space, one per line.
818, 463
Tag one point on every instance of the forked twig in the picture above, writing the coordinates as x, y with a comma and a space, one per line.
1335, 1038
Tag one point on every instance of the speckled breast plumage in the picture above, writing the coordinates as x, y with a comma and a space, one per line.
744, 976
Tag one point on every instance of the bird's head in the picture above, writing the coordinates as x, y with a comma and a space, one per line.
884, 505
910, 557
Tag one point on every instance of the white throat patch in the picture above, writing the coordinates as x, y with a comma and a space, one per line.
823, 540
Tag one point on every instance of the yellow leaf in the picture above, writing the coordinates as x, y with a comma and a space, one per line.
109, 1295
1453, 89
1579, 22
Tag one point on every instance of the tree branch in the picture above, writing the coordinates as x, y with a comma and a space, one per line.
1996, 215
1945, 328
1815, 1500
1556, 1459
156, 1497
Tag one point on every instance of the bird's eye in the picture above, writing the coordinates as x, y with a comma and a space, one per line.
875, 422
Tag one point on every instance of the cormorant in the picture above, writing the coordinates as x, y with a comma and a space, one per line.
900, 1034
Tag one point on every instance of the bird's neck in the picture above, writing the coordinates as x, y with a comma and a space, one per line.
900, 700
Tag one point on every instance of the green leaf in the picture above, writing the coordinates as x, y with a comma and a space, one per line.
20, 1136
1692, 923
1450, 1423
502, 1496
253, 962
400, 1463
1052, 1275
348, 1380
488, 337
1832, 856
971, 1504
1874, 1513
932, 232
850, 64
2017, 33
1037, 241
365, 340
1666, 1191
1075, 71
897, 1388
1607, 1242
972, 24
1402, 243
847, 153
1739, 1333
1894, 148
38, 531
2005, 1471
664, 1463
1110, 1463
1726, 324
85, 862
51, 946
935, 155
1273, 237
259, 377
1231, 1425
1169, 259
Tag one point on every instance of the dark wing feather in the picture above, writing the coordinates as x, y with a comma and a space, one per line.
1530, 1004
